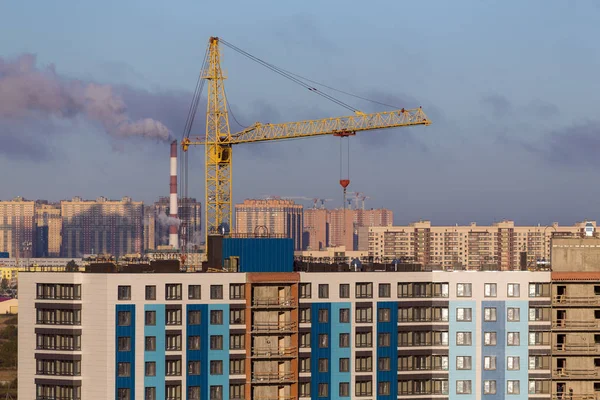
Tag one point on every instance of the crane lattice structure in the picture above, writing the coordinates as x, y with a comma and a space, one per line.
219, 140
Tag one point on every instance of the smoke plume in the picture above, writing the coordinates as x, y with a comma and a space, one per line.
164, 220
27, 91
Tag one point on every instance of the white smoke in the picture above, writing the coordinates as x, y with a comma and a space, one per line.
164, 220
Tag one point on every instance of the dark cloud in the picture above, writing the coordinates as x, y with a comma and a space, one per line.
543, 109
303, 30
17, 145
498, 104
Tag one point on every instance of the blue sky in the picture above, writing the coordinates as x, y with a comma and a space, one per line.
512, 88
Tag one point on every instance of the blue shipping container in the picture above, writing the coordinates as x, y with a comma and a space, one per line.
261, 254
4, 254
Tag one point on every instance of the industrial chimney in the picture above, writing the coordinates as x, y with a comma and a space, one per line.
173, 227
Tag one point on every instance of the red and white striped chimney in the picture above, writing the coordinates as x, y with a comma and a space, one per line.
173, 227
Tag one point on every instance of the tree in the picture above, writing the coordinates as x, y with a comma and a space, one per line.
72, 266
4, 284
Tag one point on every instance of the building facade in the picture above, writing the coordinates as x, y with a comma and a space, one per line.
49, 226
502, 244
17, 227
316, 229
189, 221
341, 228
394, 335
273, 216
101, 227
149, 228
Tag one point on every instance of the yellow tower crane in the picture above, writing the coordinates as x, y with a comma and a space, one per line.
219, 140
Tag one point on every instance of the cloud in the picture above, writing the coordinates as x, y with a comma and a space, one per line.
498, 104
543, 109
303, 29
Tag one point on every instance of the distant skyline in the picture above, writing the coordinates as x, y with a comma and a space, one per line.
511, 88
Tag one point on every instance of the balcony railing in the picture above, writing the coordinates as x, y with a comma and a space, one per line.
274, 302
575, 373
576, 300
268, 377
273, 327
582, 348
579, 396
273, 398
575, 324
273, 351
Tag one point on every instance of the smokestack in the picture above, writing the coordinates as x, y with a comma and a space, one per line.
173, 237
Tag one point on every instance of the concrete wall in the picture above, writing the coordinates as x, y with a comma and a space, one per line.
576, 255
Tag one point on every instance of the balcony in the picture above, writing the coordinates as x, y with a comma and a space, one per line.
578, 396
271, 398
272, 377
569, 324
271, 327
564, 300
273, 352
274, 302
577, 348
572, 373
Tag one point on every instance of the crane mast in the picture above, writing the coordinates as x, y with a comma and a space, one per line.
218, 139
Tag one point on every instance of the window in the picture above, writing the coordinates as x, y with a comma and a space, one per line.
193, 367
539, 338
323, 341
150, 343
463, 387
489, 338
237, 316
124, 292
216, 342
539, 362
383, 340
513, 314
194, 292
150, 393
489, 314
513, 339
216, 367
194, 343
489, 387
539, 290
463, 314
124, 369
194, 317
489, 290
150, 317
305, 364
364, 315
304, 389
122, 394
539, 314
124, 343
237, 366
173, 317
383, 364
151, 295
305, 290
173, 291
193, 393
216, 292
323, 365
216, 393
173, 341
404, 289
305, 339
364, 388
216, 317
364, 290
237, 391
323, 390
150, 368
323, 315
364, 364
512, 387
383, 388
305, 315
323, 291
463, 338
385, 290
463, 362
173, 368
344, 365
463, 290
489, 362
237, 341
364, 339
344, 340
513, 290
237, 291
513, 363
344, 291
440, 289
124, 318
344, 389
173, 392
344, 315
383, 315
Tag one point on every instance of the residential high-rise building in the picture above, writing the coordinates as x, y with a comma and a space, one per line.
102, 227
341, 228
374, 217
501, 244
272, 216
316, 229
49, 225
149, 228
17, 227
189, 221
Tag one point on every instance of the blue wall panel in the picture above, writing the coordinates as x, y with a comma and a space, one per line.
261, 254
391, 352
318, 352
158, 356
214, 355
456, 350
338, 352
125, 356
499, 327
198, 355
521, 351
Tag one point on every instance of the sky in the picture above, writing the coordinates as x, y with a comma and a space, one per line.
91, 92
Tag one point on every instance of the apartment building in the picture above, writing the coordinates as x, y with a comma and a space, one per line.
17, 227
285, 335
316, 229
273, 217
149, 228
341, 228
189, 215
501, 244
49, 230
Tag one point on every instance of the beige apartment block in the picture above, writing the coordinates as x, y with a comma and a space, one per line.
49, 215
341, 228
17, 227
102, 226
189, 214
273, 216
149, 228
315, 229
471, 246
